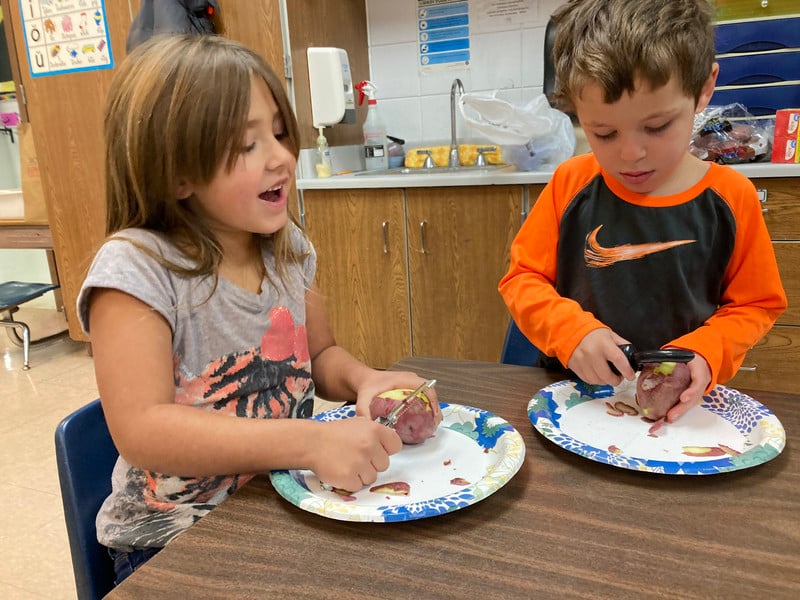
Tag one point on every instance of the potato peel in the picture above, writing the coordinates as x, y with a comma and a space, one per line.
393, 488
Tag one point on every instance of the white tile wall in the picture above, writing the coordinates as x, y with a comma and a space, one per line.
415, 105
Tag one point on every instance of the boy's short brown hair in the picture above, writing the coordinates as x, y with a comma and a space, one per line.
615, 43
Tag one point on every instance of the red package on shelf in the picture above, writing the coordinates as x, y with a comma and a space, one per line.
786, 142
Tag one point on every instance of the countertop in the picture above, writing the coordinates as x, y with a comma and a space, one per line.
501, 176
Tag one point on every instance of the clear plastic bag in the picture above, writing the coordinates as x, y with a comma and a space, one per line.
534, 135
729, 134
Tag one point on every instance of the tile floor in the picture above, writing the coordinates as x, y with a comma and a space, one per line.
34, 555
35, 561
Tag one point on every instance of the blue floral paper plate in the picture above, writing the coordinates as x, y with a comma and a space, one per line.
472, 455
727, 432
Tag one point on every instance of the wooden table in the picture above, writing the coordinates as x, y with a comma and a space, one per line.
563, 527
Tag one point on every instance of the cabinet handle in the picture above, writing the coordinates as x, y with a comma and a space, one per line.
422, 225
762, 197
385, 228
752, 369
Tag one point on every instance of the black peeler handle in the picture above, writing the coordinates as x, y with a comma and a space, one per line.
637, 359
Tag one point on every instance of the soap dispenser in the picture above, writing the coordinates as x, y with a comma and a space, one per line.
330, 86
323, 157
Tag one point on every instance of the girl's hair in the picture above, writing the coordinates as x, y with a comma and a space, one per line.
177, 108
615, 43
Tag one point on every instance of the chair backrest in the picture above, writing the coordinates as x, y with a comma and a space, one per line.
517, 349
85, 455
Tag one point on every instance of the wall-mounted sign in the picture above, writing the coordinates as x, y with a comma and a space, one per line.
443, 27
65, 36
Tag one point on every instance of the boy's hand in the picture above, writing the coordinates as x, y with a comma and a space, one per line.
693, 395
590, 359
350, 453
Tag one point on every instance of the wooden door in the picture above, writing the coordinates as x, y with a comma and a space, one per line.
257, 25
459, 241
65, 111
359, 236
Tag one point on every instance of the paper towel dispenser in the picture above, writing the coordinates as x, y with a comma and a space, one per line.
331, 86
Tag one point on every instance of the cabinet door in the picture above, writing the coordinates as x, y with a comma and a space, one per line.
788, 256
459, 240
359, 236
772, 363
781, 207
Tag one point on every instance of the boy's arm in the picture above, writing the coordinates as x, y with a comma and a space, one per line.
554, 324
752, 299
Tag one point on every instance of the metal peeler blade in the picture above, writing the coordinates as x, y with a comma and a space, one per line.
390, 420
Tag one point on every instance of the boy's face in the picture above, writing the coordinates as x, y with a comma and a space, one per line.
642, 139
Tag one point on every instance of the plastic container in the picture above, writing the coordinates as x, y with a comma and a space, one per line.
323, 157
375, 152
396, 152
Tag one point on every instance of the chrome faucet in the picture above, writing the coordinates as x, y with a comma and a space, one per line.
457, 86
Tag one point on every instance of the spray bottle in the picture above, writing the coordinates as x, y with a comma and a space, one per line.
323, 157
374, 129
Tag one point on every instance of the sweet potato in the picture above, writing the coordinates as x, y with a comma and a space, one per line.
417, 423
659, 387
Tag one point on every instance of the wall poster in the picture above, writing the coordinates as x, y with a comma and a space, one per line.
443, 27
65, 36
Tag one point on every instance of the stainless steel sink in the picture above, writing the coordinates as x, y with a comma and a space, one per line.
436, 170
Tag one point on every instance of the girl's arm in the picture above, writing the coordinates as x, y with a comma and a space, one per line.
132, 348
337, 374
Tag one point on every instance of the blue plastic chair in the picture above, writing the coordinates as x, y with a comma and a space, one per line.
85, 455
12, 294
517, 349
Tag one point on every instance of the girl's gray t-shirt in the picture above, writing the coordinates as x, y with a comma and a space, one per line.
235, 352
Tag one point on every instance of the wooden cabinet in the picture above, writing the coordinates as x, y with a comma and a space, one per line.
360, 240
772, 364
458, 249
414, 271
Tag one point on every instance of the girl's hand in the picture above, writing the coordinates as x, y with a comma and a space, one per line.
381, 381
693, 395
590, 359
350, 453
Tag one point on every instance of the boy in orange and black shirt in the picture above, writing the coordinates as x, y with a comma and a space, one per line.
638, 241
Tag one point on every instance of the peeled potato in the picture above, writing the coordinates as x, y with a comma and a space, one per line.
417, 423
659, 387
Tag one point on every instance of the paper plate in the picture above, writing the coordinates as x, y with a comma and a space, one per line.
728, 431
472, 455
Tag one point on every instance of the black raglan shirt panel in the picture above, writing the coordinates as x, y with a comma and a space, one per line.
658, 294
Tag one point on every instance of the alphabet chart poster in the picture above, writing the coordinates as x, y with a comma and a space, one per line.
65, 36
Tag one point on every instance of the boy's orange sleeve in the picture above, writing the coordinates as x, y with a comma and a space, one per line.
753, 296
554, 324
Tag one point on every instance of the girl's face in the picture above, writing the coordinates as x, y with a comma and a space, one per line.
642, 139
252, 197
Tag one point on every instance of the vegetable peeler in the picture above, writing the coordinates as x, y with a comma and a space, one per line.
639, 358
390, 420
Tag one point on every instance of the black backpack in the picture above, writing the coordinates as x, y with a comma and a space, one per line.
171, 16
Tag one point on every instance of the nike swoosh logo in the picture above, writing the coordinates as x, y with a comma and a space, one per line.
596, 255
